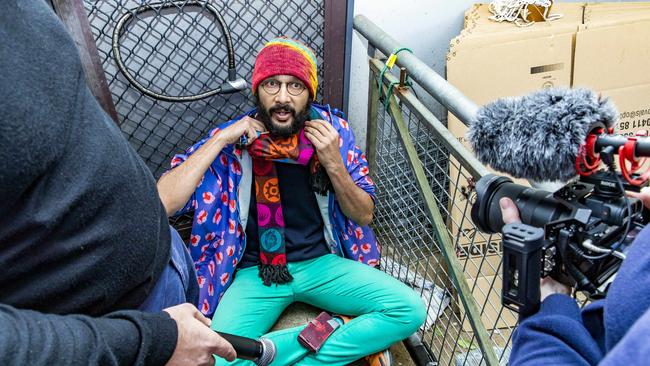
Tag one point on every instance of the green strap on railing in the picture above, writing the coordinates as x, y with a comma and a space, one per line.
390, 62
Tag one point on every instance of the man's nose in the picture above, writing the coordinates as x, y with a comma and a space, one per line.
283, 95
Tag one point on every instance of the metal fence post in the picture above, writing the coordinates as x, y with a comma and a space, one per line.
446, 244
371, 130
73, 16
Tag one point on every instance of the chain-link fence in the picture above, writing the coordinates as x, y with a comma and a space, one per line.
180, 50
412, 251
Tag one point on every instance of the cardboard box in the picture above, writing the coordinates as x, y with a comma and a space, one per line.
499, 67
496, 69
487, 294
633, 104
606, 13
612, 56
478, 266
613, 60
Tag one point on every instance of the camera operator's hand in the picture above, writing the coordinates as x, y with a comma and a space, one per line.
643, 196
196, 341
509, 211
547, 285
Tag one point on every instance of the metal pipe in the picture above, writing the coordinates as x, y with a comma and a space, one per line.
455, 101
456, 149
641, 148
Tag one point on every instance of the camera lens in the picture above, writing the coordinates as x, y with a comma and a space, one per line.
536, 207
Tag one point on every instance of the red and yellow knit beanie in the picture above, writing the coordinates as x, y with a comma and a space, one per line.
284, 56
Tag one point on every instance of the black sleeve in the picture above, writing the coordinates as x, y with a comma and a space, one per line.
121, 338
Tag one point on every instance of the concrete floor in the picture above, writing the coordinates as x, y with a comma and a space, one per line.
299, 313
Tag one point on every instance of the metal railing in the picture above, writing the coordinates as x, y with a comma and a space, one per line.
424, 176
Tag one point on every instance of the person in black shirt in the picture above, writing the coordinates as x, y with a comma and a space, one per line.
303, 222
82, 229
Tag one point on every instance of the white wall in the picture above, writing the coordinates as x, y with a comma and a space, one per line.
425, 26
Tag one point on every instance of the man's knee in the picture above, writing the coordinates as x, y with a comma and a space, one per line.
410, 312
417, 311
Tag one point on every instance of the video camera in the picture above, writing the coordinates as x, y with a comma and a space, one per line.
577, 235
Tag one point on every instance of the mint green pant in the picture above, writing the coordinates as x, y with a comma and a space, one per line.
386, 310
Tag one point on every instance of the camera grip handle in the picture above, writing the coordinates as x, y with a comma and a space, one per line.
522, 266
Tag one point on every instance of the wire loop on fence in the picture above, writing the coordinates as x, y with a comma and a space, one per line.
230, 86
390, 62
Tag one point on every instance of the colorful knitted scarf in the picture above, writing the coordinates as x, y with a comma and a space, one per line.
265, 151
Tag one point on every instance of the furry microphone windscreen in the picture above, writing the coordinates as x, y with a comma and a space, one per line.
537, 136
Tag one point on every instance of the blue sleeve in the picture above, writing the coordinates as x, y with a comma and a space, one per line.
179, 159
354, 159
634, 347
555, 335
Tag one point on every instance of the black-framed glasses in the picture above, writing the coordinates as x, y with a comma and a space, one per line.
272, 86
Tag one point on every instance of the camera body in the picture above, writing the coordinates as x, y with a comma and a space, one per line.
576, 235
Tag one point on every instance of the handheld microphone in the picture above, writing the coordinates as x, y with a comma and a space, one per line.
261, 352
538, 136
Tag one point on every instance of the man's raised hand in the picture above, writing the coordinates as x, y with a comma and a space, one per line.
246, 126
326, 141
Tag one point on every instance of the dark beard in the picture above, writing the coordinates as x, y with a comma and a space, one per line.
297, 124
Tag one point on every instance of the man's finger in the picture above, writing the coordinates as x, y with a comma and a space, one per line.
314, 140
251, 134
548, 286
509, 211
315, 132
258, 125
327, 129
318, 144
645, 192
326, 125
644, 196
314, 122
319, 126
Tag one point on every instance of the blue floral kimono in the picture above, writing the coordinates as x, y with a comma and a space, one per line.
221, 202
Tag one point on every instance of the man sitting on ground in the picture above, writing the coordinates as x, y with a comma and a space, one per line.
286, 216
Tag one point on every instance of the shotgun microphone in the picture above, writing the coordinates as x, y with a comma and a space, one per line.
261, 352
538, 136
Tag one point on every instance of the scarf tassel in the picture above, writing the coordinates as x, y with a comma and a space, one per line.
274, 273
